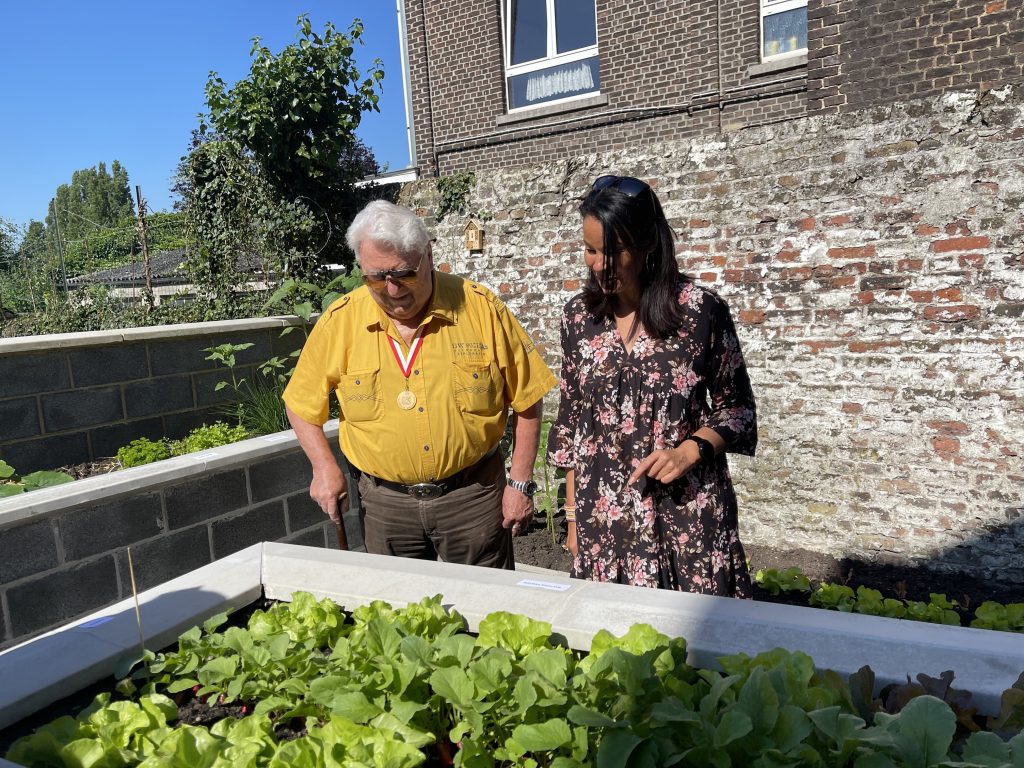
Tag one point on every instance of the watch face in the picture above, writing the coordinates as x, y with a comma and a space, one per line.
531, 488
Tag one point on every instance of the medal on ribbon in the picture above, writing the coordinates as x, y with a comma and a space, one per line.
406, 398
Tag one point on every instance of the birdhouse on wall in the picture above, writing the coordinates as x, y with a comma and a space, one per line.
474, 236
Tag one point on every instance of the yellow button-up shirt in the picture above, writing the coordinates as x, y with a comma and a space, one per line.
475, 361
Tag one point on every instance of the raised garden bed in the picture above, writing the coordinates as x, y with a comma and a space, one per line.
175, 515
576, 611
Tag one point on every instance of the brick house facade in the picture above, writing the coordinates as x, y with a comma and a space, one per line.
670, 70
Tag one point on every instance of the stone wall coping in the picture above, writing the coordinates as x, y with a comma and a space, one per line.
51, 341
125, 482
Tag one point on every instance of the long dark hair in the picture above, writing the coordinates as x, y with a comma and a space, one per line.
635, 223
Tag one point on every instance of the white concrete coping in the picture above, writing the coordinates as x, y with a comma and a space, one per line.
42, 670
80, 493
50, 341
51, 666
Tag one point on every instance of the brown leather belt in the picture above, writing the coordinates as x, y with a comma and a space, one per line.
438, 488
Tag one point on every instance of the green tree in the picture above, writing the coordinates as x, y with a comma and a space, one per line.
272, 167
28, 269
8, 241
94, 198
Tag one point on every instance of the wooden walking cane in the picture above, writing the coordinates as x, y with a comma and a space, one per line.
340, 525
344, 501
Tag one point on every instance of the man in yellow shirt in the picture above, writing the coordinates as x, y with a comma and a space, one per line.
425, 366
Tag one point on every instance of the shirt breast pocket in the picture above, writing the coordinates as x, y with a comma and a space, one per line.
360, 396
477, 388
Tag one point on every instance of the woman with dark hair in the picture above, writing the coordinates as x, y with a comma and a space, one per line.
654, 391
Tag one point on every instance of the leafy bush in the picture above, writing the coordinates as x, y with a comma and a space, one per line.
209, 436
143, 451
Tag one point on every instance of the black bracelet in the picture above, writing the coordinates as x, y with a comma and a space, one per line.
706, 449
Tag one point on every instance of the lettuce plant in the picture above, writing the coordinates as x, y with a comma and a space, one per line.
403, 687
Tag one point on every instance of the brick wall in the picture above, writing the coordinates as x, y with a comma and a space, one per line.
64, 550
664, 74
70, 398
659, 79
874, 263
876, 51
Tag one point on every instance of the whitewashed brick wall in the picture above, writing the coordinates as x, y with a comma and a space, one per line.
874, 263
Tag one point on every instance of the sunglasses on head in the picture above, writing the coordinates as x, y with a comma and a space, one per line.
378, 280
625, 184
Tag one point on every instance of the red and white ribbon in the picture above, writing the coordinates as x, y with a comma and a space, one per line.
405, 361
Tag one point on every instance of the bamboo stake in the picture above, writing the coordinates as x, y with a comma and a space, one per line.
135, 594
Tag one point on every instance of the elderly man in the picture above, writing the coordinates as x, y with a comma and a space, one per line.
425, 366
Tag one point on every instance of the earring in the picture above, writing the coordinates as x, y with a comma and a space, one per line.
648, 262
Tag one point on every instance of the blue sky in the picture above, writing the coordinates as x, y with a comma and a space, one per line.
86, 82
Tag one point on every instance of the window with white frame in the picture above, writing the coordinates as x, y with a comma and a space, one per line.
783, 28
550, 51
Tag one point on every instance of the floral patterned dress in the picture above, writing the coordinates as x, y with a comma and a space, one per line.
616, 408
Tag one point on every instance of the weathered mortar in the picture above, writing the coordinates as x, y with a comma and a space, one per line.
874, 262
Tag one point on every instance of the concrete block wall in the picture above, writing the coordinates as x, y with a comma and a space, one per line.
874, 263
71, 398
64, 550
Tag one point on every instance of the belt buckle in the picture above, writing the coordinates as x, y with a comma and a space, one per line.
425, 490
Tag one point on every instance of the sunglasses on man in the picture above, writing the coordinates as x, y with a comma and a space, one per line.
377, 280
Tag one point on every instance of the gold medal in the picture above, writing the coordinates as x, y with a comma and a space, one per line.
406, 400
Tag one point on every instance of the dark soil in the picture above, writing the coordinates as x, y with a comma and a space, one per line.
536, 547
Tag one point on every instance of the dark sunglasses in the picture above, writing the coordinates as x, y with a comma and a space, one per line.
377, 280
625, 184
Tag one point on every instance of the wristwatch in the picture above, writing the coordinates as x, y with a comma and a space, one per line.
526, 487
706, 449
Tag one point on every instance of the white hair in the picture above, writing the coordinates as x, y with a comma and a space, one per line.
391, 226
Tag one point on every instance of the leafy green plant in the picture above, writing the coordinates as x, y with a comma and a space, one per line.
262, 408
296, 297
208, 436
871, 602
11, 483
547, 500
993, 615
453, 193
836, 596
225, 354
399, 687
773, 581
938, 610
143, 451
